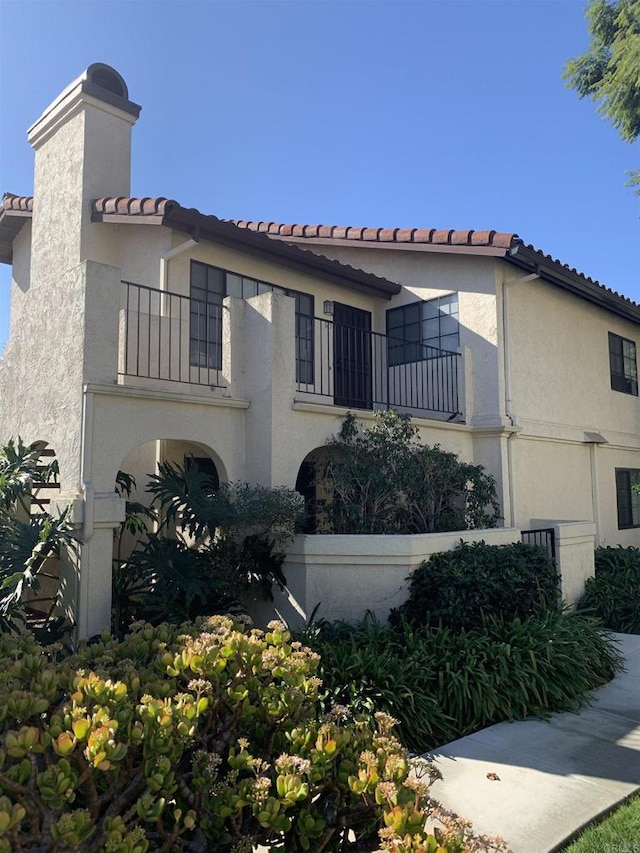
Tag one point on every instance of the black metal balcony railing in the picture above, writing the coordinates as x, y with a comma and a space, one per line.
169, 336
367, 370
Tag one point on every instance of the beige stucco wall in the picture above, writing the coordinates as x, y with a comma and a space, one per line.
346, 576
560, 388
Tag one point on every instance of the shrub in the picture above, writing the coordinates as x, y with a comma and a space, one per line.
613, 595
382, 480
215, 544
461, 588
441, 684
30, 538
200, 738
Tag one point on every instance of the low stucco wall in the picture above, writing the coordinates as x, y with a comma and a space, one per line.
575, 554
345, 576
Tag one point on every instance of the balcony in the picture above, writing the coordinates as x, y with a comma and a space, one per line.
357, 368
169, 337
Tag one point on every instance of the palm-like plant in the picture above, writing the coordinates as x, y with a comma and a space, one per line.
213, 545
28, 541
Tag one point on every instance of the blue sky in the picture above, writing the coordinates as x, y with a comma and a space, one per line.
432, 113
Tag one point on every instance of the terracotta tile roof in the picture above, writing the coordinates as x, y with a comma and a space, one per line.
511, 247
434, 236
165, 211
14, 212
514, 250
126, 206
17, 202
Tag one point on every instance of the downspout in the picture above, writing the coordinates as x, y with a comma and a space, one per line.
85, 469
506, 361
88, 500
164, 287
593, 439
169, 256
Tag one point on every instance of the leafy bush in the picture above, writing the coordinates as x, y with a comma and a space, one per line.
441, 684
461, 588
215, 544
204, 738
30, 538
613, 595
382, 480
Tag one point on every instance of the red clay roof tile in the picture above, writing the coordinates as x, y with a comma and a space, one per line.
494, 239
161, 206
17, 202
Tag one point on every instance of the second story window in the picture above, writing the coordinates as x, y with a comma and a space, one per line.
205, 316
209, 286
622, 365
414, 327
628, 497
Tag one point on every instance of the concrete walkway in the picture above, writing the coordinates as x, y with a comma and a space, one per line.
553, 777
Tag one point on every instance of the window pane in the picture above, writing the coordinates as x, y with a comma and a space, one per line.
412, 332
394, 318
448, 325
215, 280
448, 304
622, 365
430, 309
234, 285
198, 275
430, 329
450, 343
249, 288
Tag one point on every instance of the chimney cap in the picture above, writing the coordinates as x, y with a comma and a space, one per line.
106, 77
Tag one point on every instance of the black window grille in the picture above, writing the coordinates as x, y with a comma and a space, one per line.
628, 497
205, 316
427, 323
209, 285
622, 364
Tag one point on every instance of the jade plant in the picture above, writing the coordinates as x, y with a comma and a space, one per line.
207, 737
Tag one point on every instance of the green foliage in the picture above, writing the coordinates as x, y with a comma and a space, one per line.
28, 540
382, 480
441, 684
461, 588
205, 737
613, 595
609, 71
214, 546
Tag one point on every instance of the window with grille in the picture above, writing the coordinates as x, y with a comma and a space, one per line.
622, 365
628, 497
414, 331
209, 285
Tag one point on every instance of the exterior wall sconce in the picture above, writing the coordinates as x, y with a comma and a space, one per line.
328, 307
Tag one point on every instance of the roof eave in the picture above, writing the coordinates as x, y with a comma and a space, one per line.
532, 260
11, 222
194, 223
440, 248
200, 226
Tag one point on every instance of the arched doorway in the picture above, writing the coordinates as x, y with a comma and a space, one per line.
137, 470
311, 484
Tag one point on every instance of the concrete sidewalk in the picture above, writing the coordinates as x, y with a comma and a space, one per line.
553, 777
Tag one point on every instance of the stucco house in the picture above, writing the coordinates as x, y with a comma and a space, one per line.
142, 330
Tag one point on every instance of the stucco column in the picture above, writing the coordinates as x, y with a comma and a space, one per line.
86, 572
270, 371
233, 345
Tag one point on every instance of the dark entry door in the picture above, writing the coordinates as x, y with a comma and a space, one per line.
352, 357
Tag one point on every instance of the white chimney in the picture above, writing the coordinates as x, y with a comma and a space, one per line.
82, 145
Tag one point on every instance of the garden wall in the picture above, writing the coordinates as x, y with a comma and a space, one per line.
344, 576
348, 575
